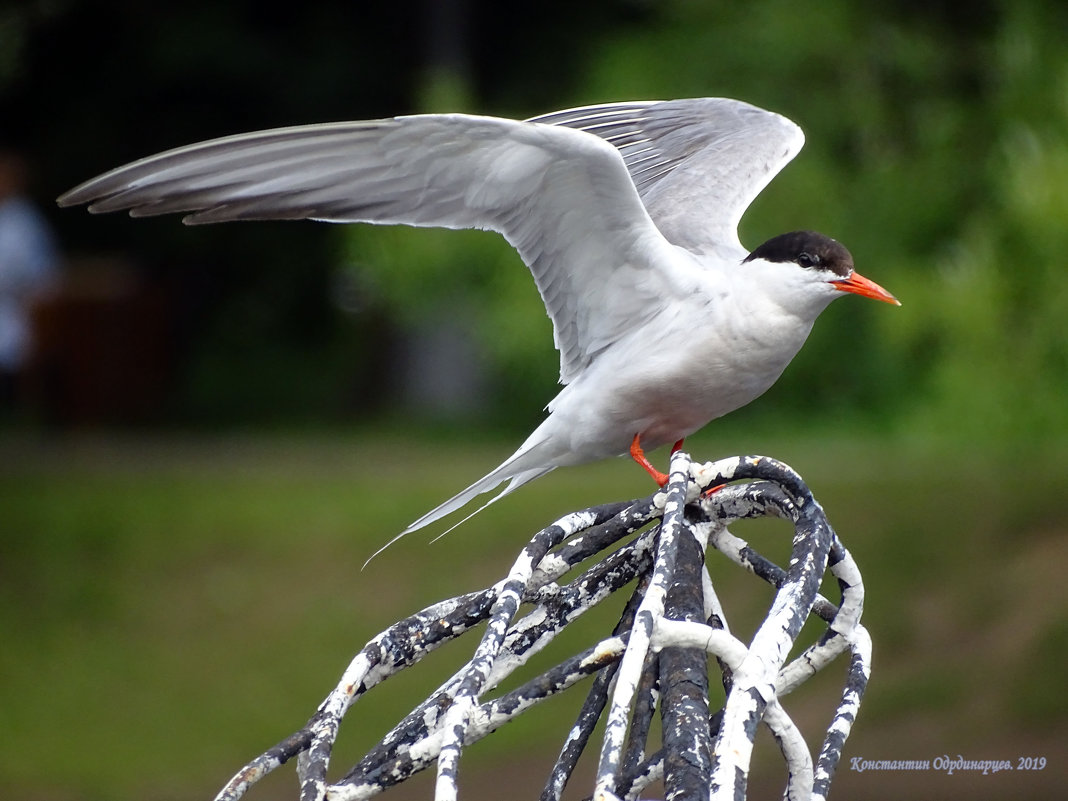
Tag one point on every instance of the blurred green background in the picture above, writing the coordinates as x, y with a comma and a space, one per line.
227, 420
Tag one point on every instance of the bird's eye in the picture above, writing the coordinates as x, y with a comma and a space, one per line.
807, 260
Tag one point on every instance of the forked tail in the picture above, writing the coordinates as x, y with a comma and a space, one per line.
513, 470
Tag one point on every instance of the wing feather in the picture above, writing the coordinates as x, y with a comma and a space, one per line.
561, 197
702, 161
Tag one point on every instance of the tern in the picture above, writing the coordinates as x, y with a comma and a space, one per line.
625, 213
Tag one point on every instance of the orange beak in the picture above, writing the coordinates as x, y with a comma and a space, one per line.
859, 285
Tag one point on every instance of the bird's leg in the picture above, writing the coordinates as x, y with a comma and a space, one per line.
638, 455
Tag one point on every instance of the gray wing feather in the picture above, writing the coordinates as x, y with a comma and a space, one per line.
697, 164
562, 198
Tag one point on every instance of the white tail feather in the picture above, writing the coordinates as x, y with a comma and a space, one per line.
511, 470
515, 483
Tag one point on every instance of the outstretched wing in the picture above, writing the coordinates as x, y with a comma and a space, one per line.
562, 198
697, 164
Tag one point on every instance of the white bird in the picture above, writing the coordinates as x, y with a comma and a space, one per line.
625, 213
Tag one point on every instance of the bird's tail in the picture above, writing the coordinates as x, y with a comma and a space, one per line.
523, 466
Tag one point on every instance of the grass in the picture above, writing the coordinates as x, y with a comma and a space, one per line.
171, 605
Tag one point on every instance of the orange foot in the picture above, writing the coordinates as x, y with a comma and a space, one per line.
638, 455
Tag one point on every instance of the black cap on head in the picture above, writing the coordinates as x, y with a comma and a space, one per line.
807, 249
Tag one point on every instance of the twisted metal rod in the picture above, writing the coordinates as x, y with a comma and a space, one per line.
655, 657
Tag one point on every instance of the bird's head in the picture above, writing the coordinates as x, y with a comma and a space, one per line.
812, 269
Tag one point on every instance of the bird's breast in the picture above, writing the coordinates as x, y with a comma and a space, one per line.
671, 377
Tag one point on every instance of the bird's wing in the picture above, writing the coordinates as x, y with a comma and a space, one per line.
697, 164
562, 198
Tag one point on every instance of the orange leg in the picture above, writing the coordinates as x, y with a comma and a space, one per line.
638, 455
